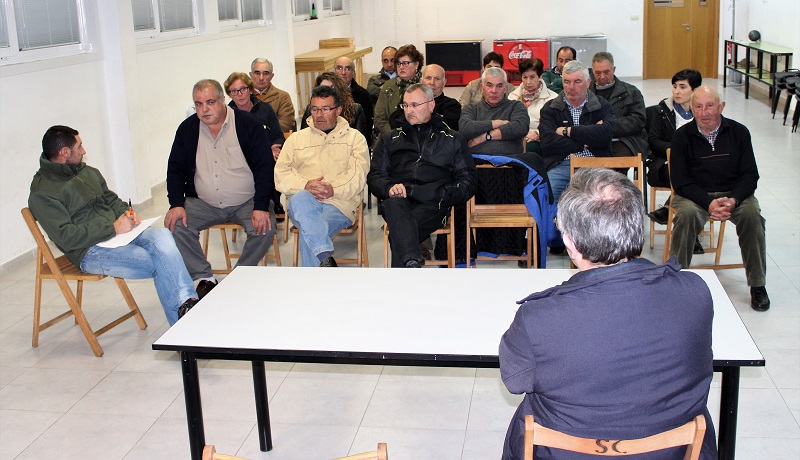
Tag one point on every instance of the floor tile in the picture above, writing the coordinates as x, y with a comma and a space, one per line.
345, 401
411, 443
433, 405
19, 428
49, 389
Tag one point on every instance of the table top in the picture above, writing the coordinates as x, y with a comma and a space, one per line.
442, 317
323, 58
763, 46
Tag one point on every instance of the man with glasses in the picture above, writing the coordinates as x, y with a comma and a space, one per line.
323, 170
346, 69
219, 170
419, 170
261, 72
472, 92
388, 71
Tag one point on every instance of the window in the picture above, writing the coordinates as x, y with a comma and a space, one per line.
143, 18
37, 29
176, 14
301, 9
164, 19
251, 10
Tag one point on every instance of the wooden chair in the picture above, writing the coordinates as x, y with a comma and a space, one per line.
501, 216
362, 257
449, 229
229, 256
62, 270
210, 453
380, 454
689, 435
634, 162
653, 207
714, 244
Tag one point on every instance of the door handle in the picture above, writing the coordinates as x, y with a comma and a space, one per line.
687, 26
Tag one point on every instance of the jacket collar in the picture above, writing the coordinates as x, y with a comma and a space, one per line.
639, 269
437, 124
59, 169
341, 126
591, 105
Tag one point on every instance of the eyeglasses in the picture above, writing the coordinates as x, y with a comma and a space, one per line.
324, 110
242, 90
340, 68
413, 105
404, 63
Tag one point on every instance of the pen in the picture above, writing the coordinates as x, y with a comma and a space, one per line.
130, 207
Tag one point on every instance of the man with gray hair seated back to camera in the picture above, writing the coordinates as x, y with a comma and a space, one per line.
495, 125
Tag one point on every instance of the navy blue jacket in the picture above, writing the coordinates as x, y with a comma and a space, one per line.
618, 352
555, 114
255, 145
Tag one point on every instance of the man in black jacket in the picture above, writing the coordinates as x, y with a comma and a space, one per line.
346, 69
419, 170
220, 169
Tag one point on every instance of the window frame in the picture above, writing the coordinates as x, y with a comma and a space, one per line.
239, 23
156, 34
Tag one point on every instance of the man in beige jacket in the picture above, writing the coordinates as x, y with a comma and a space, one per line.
323, 170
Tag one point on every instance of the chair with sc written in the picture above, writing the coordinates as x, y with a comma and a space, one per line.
715, 244
210, 453
380, 454
689, 435
362, 257
447, 229
482, 216
229, 256
62, 270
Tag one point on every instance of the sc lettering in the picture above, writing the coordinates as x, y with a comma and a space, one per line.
605, 444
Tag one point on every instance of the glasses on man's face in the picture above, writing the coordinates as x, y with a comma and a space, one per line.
324, 110
342, 68
236, 92
412, 105
403, 63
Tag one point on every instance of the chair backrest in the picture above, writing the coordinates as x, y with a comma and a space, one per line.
380, 454
690, 435
43, 248
634, 162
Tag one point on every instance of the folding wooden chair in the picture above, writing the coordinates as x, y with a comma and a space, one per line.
229, 256
62, 270
448, 229
380, 454
210, 453
362, 257
689, 435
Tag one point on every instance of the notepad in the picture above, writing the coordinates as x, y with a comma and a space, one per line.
124, 238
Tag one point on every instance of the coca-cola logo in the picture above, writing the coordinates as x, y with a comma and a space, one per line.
519, 51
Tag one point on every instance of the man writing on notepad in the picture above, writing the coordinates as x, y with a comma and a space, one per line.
77, 211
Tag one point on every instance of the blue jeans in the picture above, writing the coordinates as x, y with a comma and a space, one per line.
559, 180
317, 222
152, 254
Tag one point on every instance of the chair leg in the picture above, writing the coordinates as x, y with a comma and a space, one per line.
777, 96
668, 235
721, 235
365, 253
296, 249
451, 248
277, 250
385, 245
79, 317
786, 107
126, 294
37, 303
205, 241
531, 236
226, 250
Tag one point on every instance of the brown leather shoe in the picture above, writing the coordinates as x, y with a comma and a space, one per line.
204, 287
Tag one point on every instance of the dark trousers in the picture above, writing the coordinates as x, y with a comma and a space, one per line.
410, 222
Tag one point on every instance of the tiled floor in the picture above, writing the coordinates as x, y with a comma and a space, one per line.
59, 401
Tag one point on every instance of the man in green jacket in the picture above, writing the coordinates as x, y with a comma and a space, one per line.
77, 211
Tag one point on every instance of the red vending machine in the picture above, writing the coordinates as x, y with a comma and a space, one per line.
513, 50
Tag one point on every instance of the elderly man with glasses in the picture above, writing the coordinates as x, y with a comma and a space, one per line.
323, 171
419, 170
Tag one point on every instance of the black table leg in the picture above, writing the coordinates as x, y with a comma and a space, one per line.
194, 408
262, 406
728, 412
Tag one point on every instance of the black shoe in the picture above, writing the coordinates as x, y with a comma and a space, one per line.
280, 213
523, 264
412, 263
759, 299
698, 247
204, 287
183, 309
659, 216
557, 250
328, 262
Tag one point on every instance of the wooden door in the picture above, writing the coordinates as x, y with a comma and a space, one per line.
680, 34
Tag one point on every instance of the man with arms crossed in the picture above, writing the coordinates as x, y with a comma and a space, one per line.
621, 350
713, 171
419, 170
219, 170
77, 210
323, 169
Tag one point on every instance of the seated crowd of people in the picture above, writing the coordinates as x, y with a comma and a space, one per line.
412, 147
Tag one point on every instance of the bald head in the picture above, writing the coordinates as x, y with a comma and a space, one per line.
707, 108
345, 68
433, 76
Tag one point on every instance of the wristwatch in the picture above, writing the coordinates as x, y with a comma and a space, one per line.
564, 132
488, 135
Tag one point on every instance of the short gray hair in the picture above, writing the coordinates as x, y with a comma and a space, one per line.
603, 56
603, 213
576, 66
209, 83
261, 61
421, 87
494, 72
